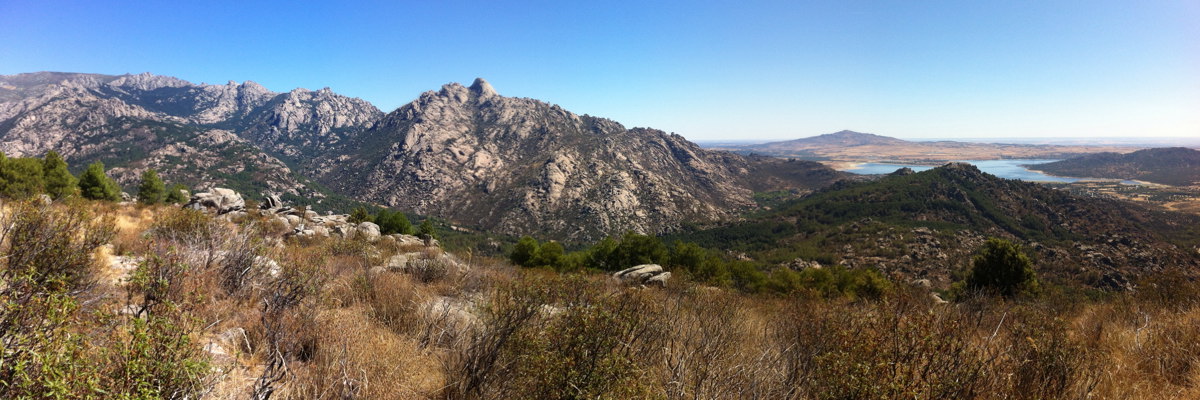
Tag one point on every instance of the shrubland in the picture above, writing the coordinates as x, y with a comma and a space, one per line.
152, 301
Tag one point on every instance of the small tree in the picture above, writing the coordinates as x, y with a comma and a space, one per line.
524, 252
1003, 268
59, 181
151, 190
360, 215
96, 185
177, 194
426, 230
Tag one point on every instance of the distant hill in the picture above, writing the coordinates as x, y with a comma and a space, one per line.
1177, 166
928, 224
840, 138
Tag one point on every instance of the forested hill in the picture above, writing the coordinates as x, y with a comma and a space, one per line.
1177, 166
927, 224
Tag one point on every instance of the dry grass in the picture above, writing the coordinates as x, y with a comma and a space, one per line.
329, 324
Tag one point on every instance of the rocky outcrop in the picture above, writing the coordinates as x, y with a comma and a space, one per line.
218, 200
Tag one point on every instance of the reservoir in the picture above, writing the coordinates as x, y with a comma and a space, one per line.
1009, 169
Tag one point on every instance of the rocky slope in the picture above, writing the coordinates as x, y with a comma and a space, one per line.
235, 135
522, 166
1177, 166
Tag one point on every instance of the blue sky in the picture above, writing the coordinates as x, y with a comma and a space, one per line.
705, 70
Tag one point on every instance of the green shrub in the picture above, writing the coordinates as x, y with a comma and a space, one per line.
524, 252
176, 194
1002, 267
360, 215
393, 222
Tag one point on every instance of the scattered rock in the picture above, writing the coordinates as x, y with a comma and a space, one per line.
643, 274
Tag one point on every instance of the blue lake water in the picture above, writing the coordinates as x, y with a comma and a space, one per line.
1009, 169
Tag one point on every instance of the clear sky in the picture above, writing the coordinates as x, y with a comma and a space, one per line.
705, 70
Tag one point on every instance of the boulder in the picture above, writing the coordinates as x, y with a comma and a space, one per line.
292, 220
271, 202
220, 200
659, 280
643, 274
368, 230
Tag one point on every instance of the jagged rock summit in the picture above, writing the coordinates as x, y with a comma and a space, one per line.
522, 166
483, 88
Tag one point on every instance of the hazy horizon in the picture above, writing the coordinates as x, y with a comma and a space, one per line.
940, 70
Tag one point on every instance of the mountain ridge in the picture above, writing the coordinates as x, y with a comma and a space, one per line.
464, 153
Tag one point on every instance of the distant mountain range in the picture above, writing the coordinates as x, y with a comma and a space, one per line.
1177, 166
854, 147
467, 154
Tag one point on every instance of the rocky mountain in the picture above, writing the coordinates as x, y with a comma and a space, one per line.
522, 166
235, 135
1177, 166
927, 225
467, 154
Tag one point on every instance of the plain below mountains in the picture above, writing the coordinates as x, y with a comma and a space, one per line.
463, 153
1176, 166
856, 147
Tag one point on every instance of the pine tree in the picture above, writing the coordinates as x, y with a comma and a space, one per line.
426, 230
151, 190
59, 181
20, 177
176, 194
96, 185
